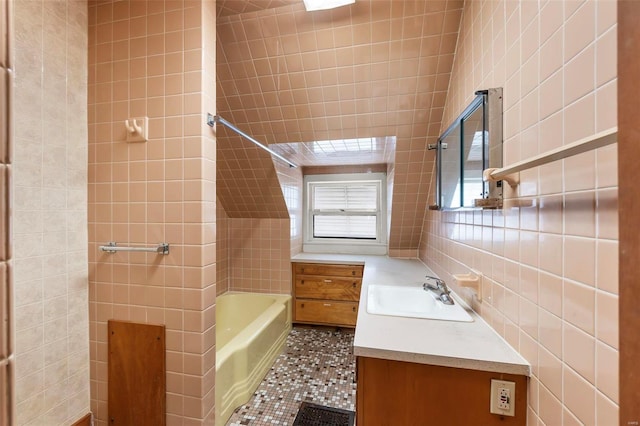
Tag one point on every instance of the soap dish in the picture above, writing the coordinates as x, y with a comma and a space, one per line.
471, 280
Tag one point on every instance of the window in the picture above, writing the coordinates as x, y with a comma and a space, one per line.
344, 212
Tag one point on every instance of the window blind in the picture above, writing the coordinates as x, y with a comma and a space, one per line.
345, 210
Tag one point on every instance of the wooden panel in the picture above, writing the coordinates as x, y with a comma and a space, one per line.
328, 270
84, 421
136, 374
629, 208
5, 396
312, 287
323, 312
407, 394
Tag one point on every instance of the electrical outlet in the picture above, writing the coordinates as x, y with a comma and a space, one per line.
503, 398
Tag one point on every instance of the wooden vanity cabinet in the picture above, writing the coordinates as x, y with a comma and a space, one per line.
407, 394
326, 294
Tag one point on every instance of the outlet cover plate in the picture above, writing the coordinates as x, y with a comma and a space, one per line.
508, 388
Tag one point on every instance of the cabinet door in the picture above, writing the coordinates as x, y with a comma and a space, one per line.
408, 394
332, 288
326, 312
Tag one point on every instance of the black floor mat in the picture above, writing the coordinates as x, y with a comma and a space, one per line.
319, 415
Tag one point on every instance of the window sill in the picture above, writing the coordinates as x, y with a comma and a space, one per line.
345, 248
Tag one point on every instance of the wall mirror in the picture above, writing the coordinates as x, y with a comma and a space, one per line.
472, 143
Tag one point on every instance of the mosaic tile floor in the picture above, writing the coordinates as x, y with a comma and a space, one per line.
317, 365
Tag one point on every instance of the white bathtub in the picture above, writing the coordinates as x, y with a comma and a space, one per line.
251, 329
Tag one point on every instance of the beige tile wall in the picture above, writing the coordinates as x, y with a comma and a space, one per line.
291, 185
259, 251
154, 59
376, 68
233, 7
49, 231
222, 250
549, 257
248, 184
6, 329
254, 254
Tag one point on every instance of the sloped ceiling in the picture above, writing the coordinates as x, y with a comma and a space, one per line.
235, 7
377, 68
247, 182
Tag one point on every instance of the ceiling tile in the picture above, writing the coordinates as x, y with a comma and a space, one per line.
376, 69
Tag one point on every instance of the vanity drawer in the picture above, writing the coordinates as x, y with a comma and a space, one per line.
329, 270
334, 288
326, 312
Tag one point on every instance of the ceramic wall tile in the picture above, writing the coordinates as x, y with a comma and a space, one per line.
150, 59
571, 277
52, 170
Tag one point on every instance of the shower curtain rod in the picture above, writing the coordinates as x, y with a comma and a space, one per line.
212, 119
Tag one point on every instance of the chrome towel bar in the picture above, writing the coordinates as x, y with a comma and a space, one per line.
112, 247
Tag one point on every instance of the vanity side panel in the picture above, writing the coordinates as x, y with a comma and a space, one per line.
629, 208
407, 394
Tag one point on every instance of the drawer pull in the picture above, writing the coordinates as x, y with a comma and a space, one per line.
302, 305
301, 281
327, 304
354, 309
327, 281
354, 285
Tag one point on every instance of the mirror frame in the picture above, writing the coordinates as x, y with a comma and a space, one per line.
490, 101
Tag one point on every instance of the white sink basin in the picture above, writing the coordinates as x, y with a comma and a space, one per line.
412, 302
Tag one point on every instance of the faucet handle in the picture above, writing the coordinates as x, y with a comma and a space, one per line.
439, 282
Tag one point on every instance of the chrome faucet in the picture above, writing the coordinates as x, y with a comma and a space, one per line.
439, 288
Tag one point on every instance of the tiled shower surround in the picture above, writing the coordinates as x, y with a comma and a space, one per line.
549, 258
252, 254
256, 255
154, 59
260, 256
49, 212
6, 320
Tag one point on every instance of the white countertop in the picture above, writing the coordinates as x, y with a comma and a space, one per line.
471, 345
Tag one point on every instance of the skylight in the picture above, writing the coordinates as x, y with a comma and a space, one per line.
312, 5
345, 145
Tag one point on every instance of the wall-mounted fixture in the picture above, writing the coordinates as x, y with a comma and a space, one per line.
472, 280
213, 119
137, 129
312, 5
113, 247
510, 173
471, 144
